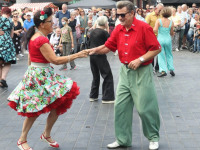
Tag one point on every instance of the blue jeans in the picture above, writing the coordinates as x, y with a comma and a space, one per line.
196, 44
190, 36
81, 38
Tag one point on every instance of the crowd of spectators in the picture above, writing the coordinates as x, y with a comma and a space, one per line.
82, 22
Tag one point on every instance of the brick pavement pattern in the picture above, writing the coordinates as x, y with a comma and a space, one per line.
90, 125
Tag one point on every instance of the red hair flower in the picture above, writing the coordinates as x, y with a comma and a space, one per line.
42, 13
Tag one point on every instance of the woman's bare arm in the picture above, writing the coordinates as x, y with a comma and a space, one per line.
51, 57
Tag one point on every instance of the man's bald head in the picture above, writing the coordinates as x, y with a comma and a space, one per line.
64, 7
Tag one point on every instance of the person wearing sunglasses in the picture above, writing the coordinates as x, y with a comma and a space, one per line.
140, 15
17, 34
136, 83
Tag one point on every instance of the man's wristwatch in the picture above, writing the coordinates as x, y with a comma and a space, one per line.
141, 59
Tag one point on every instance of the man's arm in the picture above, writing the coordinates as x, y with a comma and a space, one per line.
98, 50
148, 56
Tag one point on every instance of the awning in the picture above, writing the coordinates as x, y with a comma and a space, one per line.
34, 6
106, 4
177, 1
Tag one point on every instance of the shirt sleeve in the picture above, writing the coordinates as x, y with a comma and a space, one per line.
57, 15
52, 39
151, 41
25, 25
41, 41
70, 29
111, 43
77, 22
147, 19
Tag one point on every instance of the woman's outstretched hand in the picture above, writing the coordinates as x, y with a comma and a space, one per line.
83, 54
91, 51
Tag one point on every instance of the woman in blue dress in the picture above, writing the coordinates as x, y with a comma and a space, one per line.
7, 48
165, 27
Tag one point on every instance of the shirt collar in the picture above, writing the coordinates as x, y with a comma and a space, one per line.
133, 26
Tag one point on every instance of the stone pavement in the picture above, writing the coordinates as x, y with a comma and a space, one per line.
90, 125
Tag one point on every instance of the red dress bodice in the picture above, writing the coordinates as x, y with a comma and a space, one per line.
34, 49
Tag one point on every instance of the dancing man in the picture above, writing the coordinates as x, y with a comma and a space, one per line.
136, 85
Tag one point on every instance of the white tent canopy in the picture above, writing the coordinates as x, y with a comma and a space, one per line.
34, 6
106, 4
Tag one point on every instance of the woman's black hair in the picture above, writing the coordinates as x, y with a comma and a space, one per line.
37, 21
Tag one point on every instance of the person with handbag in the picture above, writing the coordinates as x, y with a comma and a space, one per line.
17, 34
67, 42
83, 24
177, 22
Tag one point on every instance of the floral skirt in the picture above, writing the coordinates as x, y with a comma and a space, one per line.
41, 90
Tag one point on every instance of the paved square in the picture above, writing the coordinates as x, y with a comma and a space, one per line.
90, 125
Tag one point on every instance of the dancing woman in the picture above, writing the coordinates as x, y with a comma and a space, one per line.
41, 90
164, 27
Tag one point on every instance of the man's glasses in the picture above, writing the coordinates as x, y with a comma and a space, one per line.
193, 6
15, 16
122, 15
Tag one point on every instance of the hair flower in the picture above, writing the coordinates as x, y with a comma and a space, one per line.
43, 15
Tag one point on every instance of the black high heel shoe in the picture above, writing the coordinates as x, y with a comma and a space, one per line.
3, 83
162, 74
172, 73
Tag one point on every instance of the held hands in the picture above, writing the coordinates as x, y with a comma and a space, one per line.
135, 64
82, 54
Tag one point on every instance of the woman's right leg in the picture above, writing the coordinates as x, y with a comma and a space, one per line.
28, 122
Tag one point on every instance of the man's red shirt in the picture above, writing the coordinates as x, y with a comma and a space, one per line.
134, 43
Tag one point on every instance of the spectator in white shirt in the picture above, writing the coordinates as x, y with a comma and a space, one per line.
183, 17
95, 16
184, 9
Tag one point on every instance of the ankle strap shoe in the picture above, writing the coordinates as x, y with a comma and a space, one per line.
45, 139
19, 144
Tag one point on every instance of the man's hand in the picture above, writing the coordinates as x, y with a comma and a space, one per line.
91, 51
135, 64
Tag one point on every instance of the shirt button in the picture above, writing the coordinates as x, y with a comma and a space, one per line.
126, 44
126, 53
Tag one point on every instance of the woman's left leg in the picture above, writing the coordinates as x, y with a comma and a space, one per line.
50, 122
169, 57
4, 72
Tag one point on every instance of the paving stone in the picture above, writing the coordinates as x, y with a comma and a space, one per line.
90, 126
